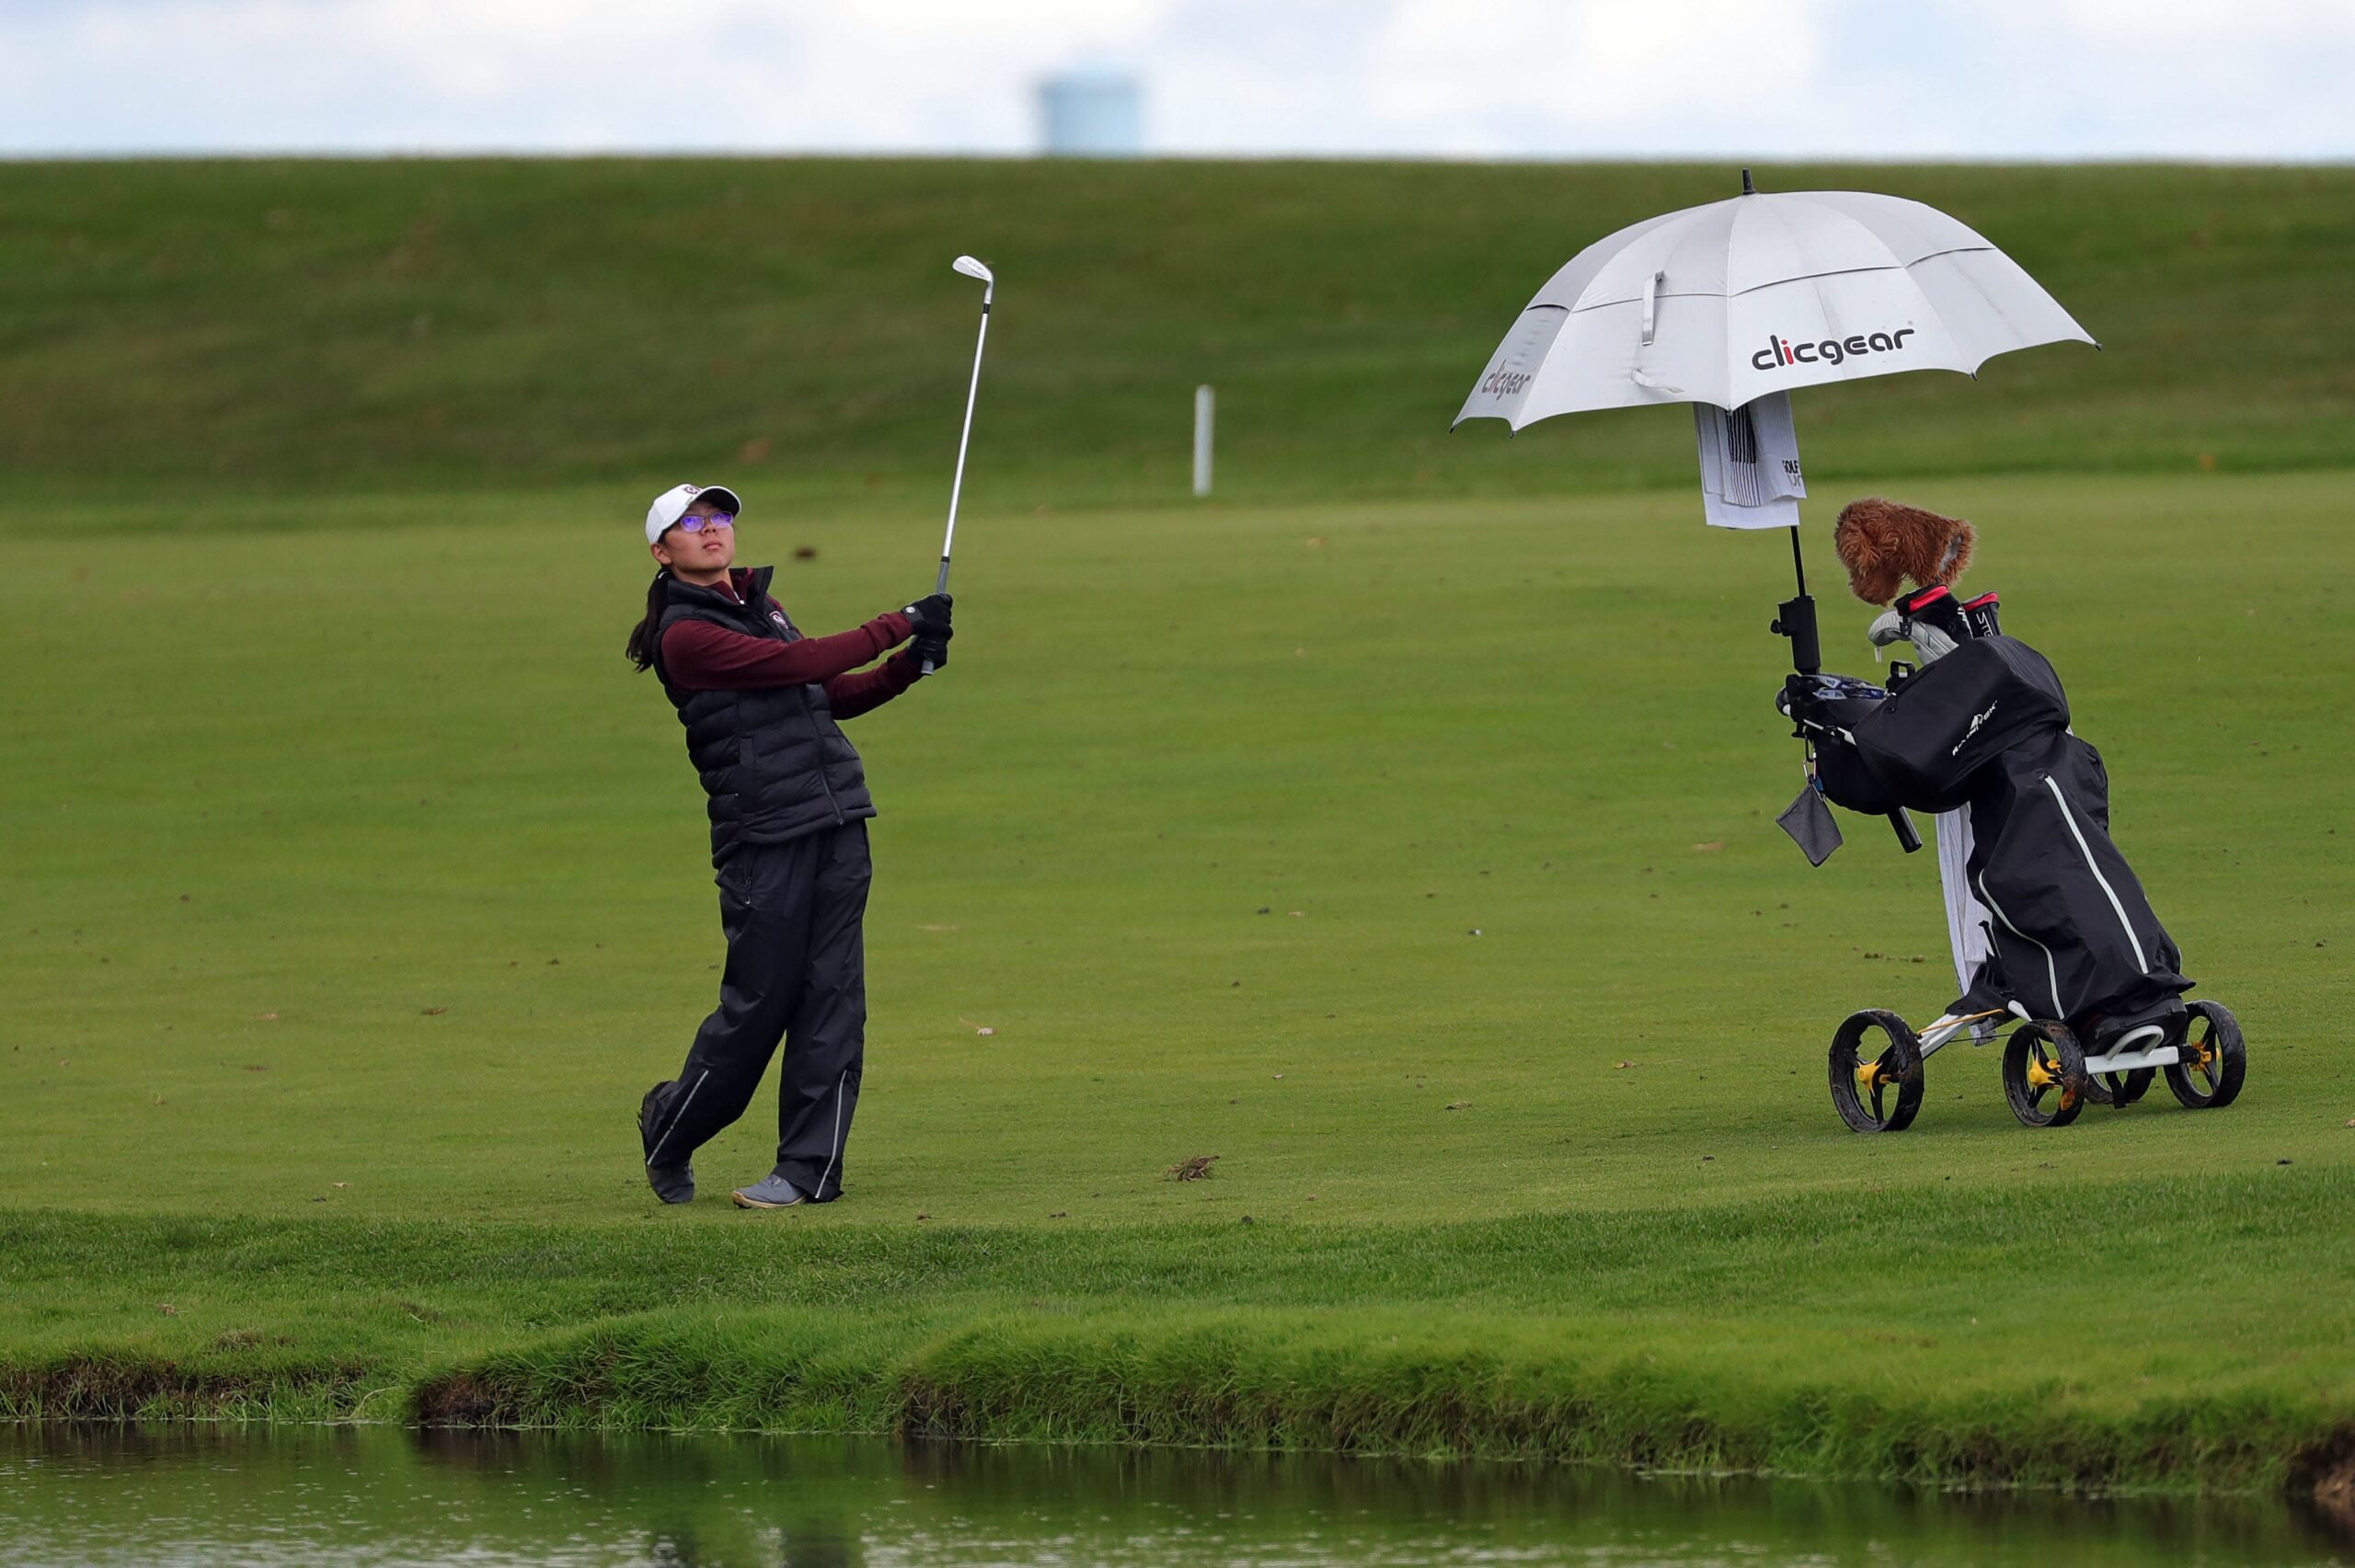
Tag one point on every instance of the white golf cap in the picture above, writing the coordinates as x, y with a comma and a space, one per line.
672, 504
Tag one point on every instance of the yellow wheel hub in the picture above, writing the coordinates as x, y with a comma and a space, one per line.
2039, 1074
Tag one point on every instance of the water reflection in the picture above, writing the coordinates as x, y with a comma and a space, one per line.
207, 1496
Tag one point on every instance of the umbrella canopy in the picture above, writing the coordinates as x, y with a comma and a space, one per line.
1763, 293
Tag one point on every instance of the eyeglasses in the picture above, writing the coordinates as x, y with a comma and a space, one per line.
717, 520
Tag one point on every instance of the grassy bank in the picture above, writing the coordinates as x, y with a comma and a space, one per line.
1948, 1334
356, 891
221, 327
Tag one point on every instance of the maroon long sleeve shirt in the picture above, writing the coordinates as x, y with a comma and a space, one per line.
700, 657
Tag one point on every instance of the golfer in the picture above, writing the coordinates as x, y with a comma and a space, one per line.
788, 808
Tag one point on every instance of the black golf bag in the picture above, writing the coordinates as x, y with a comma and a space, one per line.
1986, 728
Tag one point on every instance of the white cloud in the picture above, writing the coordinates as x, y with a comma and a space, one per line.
2251, 78
1602, 57
2290, 22
1712, 73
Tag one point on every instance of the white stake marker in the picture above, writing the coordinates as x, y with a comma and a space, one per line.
1204, 402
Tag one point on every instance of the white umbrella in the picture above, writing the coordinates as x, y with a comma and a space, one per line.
1740, 300
1759, 294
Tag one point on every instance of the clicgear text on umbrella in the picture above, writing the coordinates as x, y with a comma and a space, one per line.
1831, 351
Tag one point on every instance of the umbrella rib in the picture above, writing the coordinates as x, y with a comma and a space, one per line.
1852, 271
1666, 293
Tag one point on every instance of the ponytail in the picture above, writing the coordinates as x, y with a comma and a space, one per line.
648, 632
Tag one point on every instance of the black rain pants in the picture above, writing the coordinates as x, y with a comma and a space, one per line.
797, 971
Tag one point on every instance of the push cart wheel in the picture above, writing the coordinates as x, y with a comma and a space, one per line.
2214, 1059
2044, 1075
2125, 1088
1876, 1087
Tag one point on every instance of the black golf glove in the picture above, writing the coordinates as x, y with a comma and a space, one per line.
932, 652
928, 616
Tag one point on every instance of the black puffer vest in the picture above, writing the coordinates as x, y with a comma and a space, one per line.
773, 762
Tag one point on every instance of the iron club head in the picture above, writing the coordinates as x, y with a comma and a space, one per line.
972, 268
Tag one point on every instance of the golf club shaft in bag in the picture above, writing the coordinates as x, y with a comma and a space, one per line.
971, 269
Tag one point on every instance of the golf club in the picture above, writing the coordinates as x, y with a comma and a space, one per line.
971, 269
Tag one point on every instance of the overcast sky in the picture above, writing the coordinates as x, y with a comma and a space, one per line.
2236, 79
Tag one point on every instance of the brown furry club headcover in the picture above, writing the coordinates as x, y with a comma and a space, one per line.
1882, 542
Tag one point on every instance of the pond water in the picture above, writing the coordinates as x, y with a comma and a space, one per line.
206, 1496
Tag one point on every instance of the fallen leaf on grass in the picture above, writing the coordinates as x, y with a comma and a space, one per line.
1459, 1105
1193, 1170
266, 1017
921, 1217
167, 1309
1712, 844
433, 1012
939, 928
1297, 914
257, 1067
1631, 1064
339, 1186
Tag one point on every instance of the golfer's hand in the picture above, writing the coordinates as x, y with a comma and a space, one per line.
932, 654
928, 617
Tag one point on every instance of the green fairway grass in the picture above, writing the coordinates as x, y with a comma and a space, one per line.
1414, 857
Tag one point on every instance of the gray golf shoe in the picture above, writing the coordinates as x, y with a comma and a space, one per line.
771, 1191
672, 1184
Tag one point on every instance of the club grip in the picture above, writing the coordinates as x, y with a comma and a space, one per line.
1907, 839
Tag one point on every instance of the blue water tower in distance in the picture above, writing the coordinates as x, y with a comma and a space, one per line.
1092, 114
